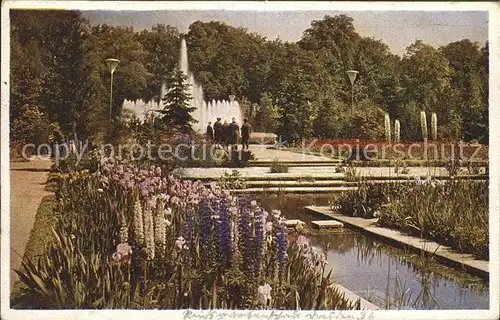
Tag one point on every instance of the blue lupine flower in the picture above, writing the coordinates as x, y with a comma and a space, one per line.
223, 228
245, 235
282, 242
260, 232
205, 228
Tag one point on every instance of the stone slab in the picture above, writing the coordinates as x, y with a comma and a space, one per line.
327, 224
443, 253
306, 190
365, 304
294, 222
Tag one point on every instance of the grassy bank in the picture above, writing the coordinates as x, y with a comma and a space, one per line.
40, 238
453, 213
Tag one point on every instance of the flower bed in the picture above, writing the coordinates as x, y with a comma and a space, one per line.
131, 238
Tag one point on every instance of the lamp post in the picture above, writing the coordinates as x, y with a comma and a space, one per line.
111, 64
352, 77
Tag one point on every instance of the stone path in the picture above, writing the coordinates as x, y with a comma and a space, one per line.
261, 153
316, 171
27, 183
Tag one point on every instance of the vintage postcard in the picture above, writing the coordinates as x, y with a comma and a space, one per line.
250, 160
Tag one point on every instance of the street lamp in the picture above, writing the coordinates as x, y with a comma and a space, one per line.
352, 77
111, 64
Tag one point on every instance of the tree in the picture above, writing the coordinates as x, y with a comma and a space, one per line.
161, 54
468, 70
176, 111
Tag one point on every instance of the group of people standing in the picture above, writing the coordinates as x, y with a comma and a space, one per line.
227, 134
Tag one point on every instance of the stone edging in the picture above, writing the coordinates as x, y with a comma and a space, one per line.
353, 297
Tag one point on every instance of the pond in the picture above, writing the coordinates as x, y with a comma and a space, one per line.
389, 277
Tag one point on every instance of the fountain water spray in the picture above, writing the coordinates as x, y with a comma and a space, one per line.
205, 112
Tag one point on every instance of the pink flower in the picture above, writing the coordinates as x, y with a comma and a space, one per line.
174, 200
124, 250
302, 241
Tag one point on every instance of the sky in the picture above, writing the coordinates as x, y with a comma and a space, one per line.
397, 29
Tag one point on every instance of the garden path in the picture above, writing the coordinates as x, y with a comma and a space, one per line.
263, 154
27, 183
313, 172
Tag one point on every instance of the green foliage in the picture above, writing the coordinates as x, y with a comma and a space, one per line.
351, 173
232, 180
32, 126
278, 167
297, 90
161, 47
176, 112
453, 213
367, 200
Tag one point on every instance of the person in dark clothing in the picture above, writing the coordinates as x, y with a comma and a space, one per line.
246, 131
210, 132
225, 134
234, 133
218, 131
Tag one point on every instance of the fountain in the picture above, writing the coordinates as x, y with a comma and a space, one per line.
205, 112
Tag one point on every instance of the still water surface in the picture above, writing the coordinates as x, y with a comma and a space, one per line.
389, 277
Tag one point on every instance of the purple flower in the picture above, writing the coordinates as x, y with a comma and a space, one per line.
282, 242
245, 233
205, 229
223, 228
260, 233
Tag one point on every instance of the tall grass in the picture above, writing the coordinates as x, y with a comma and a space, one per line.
453, 213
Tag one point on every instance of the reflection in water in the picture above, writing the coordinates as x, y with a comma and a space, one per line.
389, 277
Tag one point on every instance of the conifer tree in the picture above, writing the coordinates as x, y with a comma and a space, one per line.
176, 111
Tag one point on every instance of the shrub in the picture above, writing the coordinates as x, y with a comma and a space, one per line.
351, 173
277, 167
231, 181
367, 200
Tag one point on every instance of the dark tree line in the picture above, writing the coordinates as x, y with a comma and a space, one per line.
298, 90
